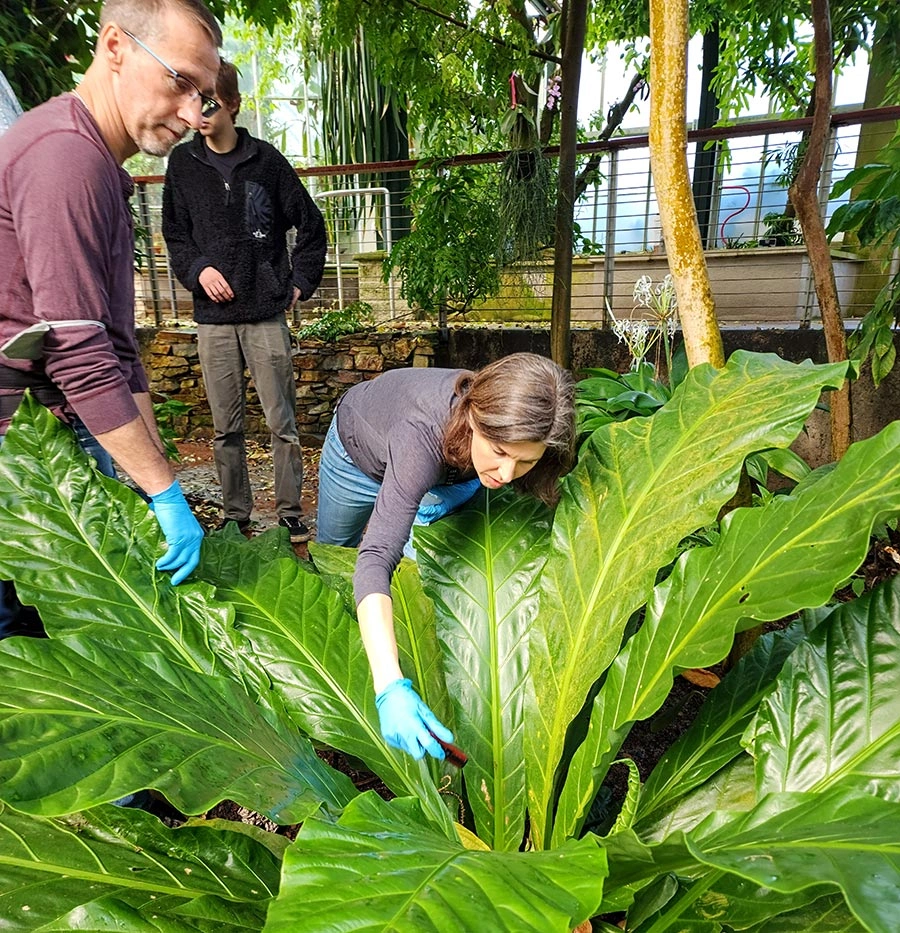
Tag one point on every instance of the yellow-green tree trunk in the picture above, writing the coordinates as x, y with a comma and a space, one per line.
804, 195
668, 163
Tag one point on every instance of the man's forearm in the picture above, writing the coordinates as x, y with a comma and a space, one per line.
145, 407
137, 452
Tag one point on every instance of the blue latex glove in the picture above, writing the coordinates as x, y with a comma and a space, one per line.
440, 500
405, 721
182, 532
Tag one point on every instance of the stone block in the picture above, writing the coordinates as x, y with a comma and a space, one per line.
337, 361
397, 351
186, 350
369, 362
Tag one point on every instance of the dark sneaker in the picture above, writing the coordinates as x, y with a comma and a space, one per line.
297, 530
243, 524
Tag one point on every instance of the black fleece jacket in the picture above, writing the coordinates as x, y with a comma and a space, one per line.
240, 229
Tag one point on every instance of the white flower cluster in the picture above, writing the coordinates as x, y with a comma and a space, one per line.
637, 335
641, 334
661, 301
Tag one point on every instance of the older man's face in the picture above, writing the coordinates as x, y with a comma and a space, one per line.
157, 108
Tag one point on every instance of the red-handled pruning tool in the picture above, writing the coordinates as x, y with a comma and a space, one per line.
456, 756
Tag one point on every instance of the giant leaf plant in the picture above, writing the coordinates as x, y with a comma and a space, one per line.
541, 638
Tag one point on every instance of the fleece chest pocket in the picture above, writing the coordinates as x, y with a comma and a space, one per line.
257, 211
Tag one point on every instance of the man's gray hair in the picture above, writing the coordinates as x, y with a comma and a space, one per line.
144, 18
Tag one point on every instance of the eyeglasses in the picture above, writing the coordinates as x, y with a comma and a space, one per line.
182, 85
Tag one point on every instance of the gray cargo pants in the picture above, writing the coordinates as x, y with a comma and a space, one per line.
263, 347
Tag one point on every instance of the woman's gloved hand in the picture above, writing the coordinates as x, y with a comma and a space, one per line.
182, 532
405, 721
441, 500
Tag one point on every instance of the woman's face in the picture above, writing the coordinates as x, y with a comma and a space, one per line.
500, 463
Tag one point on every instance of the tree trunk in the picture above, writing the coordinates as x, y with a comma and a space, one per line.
668, 164
804, 196
574, 29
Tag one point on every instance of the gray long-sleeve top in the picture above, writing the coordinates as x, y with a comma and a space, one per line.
393, 428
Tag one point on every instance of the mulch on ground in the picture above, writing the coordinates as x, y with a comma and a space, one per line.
196, 471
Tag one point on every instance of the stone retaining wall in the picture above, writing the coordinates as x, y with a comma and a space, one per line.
325, 371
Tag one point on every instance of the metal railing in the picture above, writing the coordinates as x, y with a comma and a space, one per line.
758, 266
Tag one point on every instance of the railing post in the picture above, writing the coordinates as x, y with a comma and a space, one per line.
609, 247
144, 218
345, 192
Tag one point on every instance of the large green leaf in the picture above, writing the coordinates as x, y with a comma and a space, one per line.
638, 489
480, 567
835, 715
789, 843
732, 787
383, 867
336, 565
151, 685
309, 645
796, 842
77, 731
111, 868
421, 658
714, 737
828, 914
723, 902
417, 639
793, 843
94, 541
767, 563
417, 642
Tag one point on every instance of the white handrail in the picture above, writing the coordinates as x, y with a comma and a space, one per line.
346, 192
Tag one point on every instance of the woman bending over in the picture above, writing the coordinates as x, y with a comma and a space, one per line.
422, 441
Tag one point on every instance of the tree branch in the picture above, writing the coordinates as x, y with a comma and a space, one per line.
614, 118
803, 194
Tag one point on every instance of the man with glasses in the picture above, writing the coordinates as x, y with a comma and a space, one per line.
228, 203
66, 244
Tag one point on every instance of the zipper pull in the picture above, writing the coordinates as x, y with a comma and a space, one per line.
227, 192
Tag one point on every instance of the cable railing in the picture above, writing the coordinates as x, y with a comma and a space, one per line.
757, 263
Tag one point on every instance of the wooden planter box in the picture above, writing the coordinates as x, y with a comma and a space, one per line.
771, 284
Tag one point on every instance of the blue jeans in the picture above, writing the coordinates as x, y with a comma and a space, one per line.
16, 619
347, 497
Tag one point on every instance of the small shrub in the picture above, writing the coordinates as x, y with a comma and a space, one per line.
165, 413
337, 322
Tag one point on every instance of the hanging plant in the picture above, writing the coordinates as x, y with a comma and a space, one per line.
527, 204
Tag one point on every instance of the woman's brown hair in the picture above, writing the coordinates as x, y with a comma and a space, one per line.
520, 397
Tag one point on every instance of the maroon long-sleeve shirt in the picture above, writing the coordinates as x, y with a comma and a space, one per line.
67, 253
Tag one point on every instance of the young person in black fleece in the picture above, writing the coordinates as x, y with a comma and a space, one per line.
401, 444
228, 203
